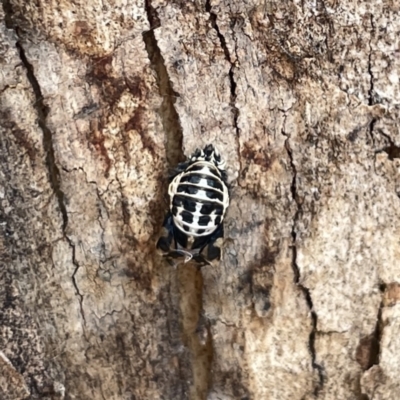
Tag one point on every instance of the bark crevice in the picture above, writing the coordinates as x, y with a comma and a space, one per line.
378, 332
306, 292
371, 90
189, 293
42, 111
232, 83
73, 278
371, 75
8, 12
369, 348
169, 115
392, 150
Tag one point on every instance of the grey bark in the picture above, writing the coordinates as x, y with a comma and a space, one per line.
99, 99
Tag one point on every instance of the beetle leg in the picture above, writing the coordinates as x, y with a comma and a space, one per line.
172, 255
167, 235
213, 249
201, 261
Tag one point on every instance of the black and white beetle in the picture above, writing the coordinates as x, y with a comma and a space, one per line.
199, 198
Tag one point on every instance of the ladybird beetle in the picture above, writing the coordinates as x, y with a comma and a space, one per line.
199, 197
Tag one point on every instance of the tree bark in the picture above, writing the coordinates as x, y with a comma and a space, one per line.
99, 99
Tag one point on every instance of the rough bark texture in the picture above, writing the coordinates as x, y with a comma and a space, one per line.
99, 98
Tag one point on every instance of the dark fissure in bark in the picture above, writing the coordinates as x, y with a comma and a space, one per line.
392, 150
189, 293
167, 111
371, 76
42, 112
306, 291
235, 110
378, 332
74, 282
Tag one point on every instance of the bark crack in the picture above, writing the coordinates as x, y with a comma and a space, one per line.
378, 332
296, 270
174, 155
8, 12
73, 277
392, 150
101, 206
369, 348
42, 112
231, 75
169, 115
232, 83
371, 75
371, 89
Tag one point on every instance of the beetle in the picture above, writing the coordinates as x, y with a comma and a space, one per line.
199, 197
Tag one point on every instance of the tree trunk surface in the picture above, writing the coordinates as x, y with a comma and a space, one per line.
99, 99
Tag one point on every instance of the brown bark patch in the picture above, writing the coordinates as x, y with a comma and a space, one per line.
391, 295
257, 155
100, 73
21, 137
136, 86
367, 352
135, 121
101, 68
81, 28
97, 139
140, 276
